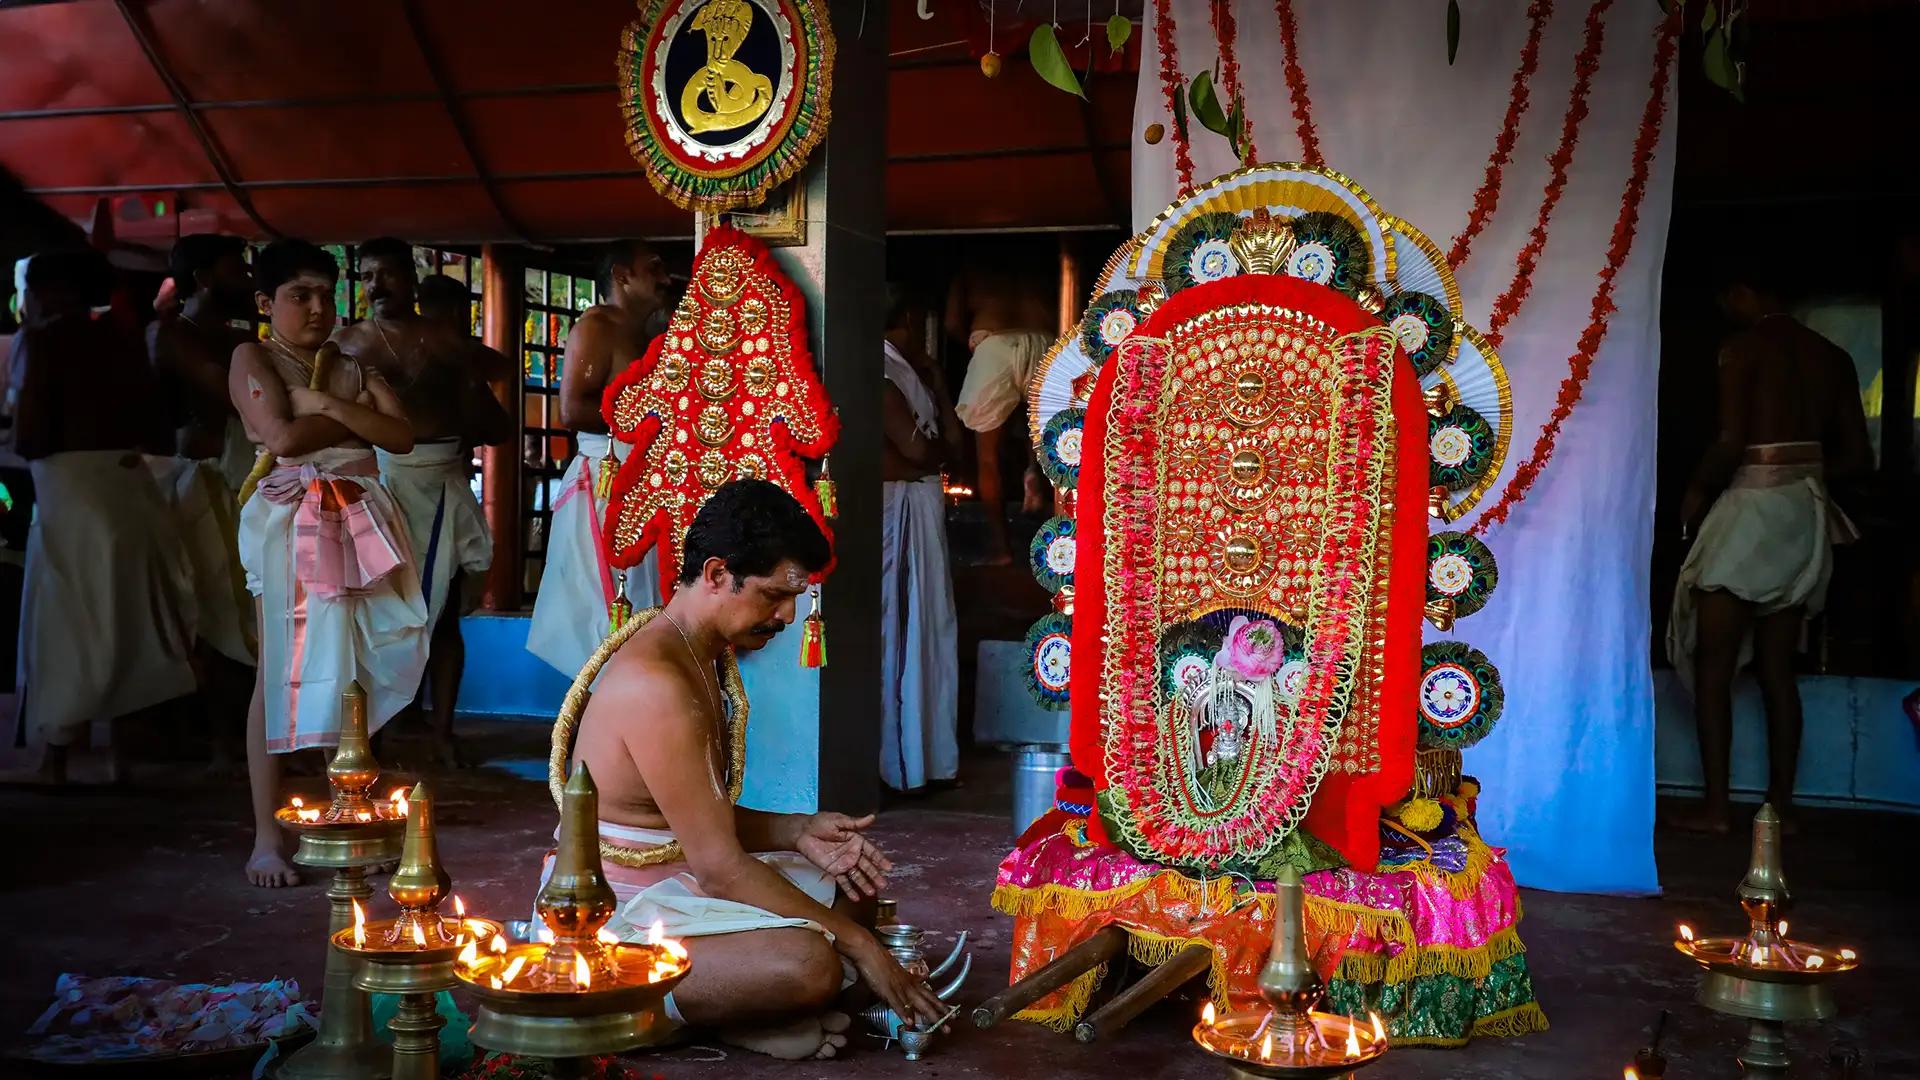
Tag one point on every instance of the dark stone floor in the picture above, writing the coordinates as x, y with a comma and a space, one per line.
147, 881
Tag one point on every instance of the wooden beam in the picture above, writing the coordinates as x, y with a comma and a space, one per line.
457, 116
502, 310
1152, 987
1065, 968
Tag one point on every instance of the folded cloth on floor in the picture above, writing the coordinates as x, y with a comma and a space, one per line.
122, 1016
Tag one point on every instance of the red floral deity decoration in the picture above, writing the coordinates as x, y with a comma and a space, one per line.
728, 391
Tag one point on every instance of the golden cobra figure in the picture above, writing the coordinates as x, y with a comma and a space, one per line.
736, 94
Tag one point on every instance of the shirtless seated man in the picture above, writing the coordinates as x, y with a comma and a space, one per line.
763, 900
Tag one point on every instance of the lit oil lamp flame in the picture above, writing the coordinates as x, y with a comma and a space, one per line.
1353, 1040
498, 945
675, 950
513, 969
1631, 1073
494, 981
470, 955
1266, 1047
1816, 961
544, 935
1849, 954
1686, 933
655, 934
364, 815
1782, 929
419, 936
298, 802
307, 815
399, 801
606, 937
1206, 1015
1379, 1029
582, 974
359, 926
459, 908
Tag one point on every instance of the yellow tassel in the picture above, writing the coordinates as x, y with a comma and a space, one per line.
603, 480
829, 504
813, 636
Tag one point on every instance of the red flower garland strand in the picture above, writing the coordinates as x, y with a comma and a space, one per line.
1581, 364
1297, 83
1488, 197
1226, 32
1170, 84
1584, 65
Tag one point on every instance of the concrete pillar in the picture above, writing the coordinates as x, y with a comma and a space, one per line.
502, 310
814, 736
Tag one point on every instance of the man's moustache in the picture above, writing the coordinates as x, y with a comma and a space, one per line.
769, 629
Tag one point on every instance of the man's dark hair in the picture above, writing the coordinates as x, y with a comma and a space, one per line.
82, 272
617, 253
201, 251
441, 289
283, 260
386, 247
752, 525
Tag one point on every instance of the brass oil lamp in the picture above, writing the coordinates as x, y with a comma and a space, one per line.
1766, 977
351, 834
577, 992
412, 954
1289, 1037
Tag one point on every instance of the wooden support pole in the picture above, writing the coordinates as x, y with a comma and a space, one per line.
1065, 968
502, 310
1135, 999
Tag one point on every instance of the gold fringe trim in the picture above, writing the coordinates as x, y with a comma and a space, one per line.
1211, 894
1527, 1019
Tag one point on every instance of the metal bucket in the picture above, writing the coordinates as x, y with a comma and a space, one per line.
1033, 786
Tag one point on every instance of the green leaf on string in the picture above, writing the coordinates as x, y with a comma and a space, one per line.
1709, 18
1453, 30
1206, 106
1180, 117
1237, 131
1050, 61
1119, 29
1719, 66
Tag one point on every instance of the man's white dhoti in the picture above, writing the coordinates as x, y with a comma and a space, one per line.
208, 520
107, 615
997, 375
1768, 540
676, 902
326, 552
919, 632
446, 528
577, 585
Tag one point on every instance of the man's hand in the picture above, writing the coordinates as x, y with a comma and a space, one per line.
835, 844
905, 994
304, 402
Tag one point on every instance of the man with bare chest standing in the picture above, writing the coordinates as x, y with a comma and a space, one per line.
431, 367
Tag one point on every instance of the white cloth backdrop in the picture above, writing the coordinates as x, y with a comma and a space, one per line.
1568, 773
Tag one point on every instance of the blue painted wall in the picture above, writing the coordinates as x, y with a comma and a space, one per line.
503, 679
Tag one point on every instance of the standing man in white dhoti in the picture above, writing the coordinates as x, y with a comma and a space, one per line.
323, 543
437, 371
1004, 320
201, 479
107, 615
577, 586
1791, 421
919, 660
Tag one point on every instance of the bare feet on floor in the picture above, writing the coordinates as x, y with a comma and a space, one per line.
267, 868
448, 755
815, 1037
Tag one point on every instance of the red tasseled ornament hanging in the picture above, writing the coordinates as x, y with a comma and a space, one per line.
823, 490
813, 635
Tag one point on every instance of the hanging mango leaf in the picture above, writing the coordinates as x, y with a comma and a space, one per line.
1206, 106
1709, 18
1453, 30
1720, 67
1050, 61
1237, 128
1180, 117
1119, 29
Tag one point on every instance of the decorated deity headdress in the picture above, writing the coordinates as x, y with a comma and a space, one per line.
728, 391
1271, 390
